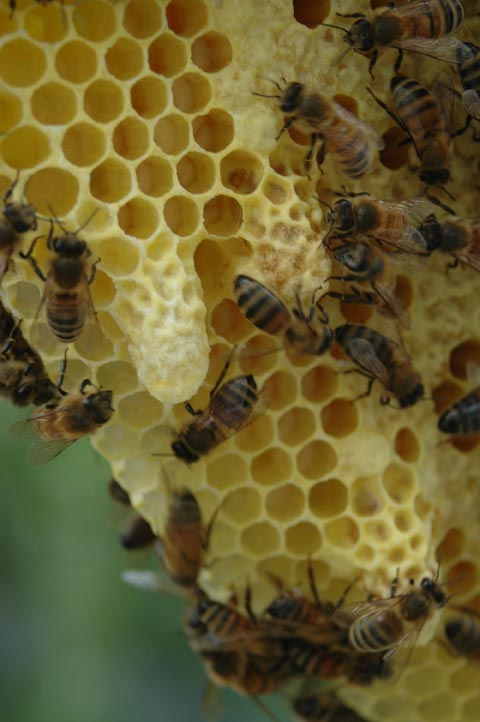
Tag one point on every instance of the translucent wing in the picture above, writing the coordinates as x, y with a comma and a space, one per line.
24, 429
394, 303
373, 137
449, 49
397, 658
468, 257
212, 704
471, 102
363, 353
149, 581
411, 9
41, 451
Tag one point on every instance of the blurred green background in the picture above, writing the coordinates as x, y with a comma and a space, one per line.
76, 643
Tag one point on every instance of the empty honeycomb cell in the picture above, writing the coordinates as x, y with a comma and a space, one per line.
131, 138
100, 351
242, 505
403, 290
76, 62
378, 531
140, 410
83, 144
462, 577
260, 539
25, 299
154, 176
46, 23
222, 216
191, 92
271, 467
340, 418
356, 312
22, 63
119, 376
94, 20
181, 215
342, 532
258, 356
367, 496
53, 188
226, 472
280, 390
285, 503
102, 290
241, 172
464, 681
148, 96
423, 508
167, 56
256, 436
328, 498
445, 394
440, 707
316, 459
228, 321
142, 18
110, 181
404, 520
303, 539
53, 104
452, 544
25, 147
468, 352
296, 425
319, 383
213, 131
311, 14
417, 542
171, 134
10, 111
223, 540
399, 483
365, 554
276, 192
398, 555
186, 17
124, 59
138, 218
103, 101
196, 172
394, 154
407, 445
212, 52
119, 256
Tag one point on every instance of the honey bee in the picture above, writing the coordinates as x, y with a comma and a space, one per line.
59, 423
463, 417
421, 117
217, 625
392, 625
381, 358
351, 142
418, 26
463, 633
368, 265
469, 73
323, 707
17, 218
138, 534
298, 617
66, 297
305, 333
459, 237
315, 661
118, 493
231, 408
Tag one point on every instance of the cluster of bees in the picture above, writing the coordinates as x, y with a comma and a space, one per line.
294, 637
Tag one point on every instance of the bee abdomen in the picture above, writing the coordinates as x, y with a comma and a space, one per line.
355, 158
377, 635
235, 400
66, 317
463, 417
260, 306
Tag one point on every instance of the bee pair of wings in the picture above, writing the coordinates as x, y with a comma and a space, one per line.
403, 237
364, 354
471, 102
40, 450
374, 140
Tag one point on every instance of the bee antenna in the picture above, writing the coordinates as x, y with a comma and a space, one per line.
339, 59
87, 221
437, 202
56, 219
270, 80
335, 27
169, 455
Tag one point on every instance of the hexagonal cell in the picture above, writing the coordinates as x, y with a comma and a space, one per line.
53, 104
280, 390
404, 520
167, 55
271, 467
186, 17
340, 418
379, 531
258, 356
228, 321
196, 172
365, 555
181, 215
46, 23
22, 63
138, 218
439, 706
142, 18
407, 446
222, 216
124, 59
191, 92
257, 436
464, 681
311, 14
242, 505
131, 138
53, 188
452, 544
342, 533
394, 154
102, 290
241, 171
303, 539
171, 134
367, 496
76, 62
399, 483
119, 255
212, 52
463, 354
140, 410
110, 181
296, 425
446, 394
214, 131
328, 498
154, 176
260, 539
83, 144
25, 147
276, 192
462, 575
11, 111
119, 376
148, 96
103, 101
227, 471
319, 383
285, 503
94, 20
316, 459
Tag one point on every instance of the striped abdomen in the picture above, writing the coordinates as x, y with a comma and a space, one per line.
462, 417
66, 315
347, 141
469, 70
233, 403
220, 621
441, 18
417, 111
260, 306
463, 633
376, 633
183, 540
382, 345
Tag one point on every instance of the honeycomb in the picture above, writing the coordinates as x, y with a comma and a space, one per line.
143, 110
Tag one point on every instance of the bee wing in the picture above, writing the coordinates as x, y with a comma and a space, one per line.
369, 609
364, 354
212, 705
468, 258
399, 655
396, 306
471, 102
91, 335
149, 581
449, 49
375, 141
41, 451
24, 429
416, 209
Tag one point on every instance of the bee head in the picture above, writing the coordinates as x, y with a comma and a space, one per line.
342, 216
360, 36
435, 176
69, 245
431, 230
291, 96
99, 406
21, 215
410, 395
181, 451
433, 590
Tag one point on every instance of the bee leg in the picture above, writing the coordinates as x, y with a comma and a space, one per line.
28, 255
12, 4
223, 373
312, 583
9, 192
371, 381
192, 411
385, 108
11, 339
393, 588
61, 376
93, 271
208, 530
248, 605
84, 384
372, 63
352, 15
463, 129
288, 123
398, 62
320, 157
